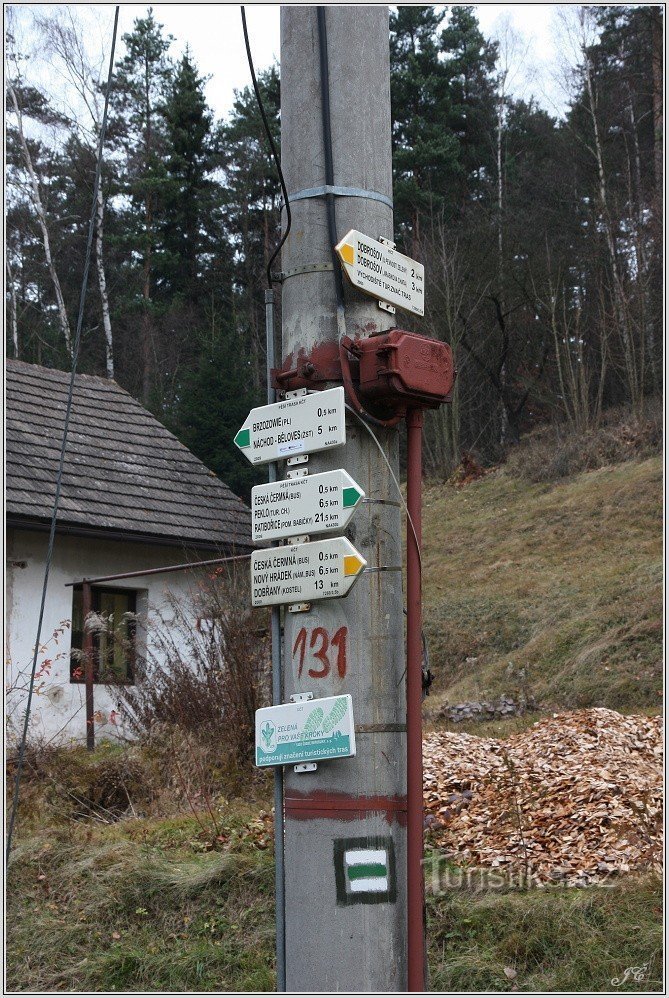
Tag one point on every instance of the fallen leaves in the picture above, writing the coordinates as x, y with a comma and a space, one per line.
574, 800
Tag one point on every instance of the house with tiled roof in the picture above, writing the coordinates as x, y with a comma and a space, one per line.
133, 499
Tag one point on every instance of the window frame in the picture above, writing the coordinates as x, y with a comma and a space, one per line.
97, 592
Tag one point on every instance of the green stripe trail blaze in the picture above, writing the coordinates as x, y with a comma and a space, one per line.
363, 870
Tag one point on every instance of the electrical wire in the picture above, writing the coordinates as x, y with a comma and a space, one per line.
59, 476
364, 423
326, 119
275, 154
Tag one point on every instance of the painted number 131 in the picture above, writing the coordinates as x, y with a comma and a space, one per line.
319, 642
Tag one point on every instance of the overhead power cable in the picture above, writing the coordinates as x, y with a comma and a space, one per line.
275, 154
59, 476
326, 118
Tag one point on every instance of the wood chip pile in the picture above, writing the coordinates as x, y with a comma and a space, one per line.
574, 800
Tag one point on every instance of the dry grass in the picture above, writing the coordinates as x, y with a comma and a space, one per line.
551, 590
558, 451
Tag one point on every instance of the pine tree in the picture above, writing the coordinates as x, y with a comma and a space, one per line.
190, 196
137, 130
425, 152
251, 206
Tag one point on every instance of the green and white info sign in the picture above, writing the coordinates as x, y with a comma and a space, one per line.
305, 732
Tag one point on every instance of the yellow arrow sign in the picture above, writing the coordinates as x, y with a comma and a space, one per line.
378, 269
353, 564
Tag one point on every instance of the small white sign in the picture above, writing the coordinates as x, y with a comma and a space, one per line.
299, 425
302, 572
382, 272
314, 504
305, 732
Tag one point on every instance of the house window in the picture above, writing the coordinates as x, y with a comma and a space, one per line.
113, 642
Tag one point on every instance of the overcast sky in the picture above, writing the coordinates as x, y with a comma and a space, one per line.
214, 35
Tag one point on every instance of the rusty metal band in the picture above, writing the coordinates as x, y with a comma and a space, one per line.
341, 192
371, 729
308, 268
385, 502
384, 568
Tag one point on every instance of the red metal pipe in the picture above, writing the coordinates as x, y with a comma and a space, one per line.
414, 681
164, 570
87, 642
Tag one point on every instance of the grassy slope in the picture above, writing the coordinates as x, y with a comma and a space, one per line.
555, 590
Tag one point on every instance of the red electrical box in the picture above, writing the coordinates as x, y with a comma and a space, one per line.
399, 367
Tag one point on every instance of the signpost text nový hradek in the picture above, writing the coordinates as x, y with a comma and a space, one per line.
317, 570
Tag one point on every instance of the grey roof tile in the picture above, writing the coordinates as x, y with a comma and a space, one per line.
123, 471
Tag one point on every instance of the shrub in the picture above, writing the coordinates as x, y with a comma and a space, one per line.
205, 672
556, 452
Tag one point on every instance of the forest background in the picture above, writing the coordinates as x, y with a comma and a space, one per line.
541, 237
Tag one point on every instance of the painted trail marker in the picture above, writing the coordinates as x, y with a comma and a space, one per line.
296, 426
304, 572
315, 504
305, 731
382, 272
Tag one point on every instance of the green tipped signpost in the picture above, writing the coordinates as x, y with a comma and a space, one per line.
315, 504
295, 426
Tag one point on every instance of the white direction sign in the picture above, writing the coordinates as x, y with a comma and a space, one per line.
314, 504
378, 270
302, 572
296, 426
305, 732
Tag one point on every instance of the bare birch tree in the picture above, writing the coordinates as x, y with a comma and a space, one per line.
64, 42
13, 83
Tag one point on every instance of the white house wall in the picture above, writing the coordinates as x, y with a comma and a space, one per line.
58, 711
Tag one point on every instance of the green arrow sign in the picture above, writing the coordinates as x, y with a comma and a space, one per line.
315, 504
300, 425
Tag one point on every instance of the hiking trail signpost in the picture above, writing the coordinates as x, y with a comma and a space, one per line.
300, 573
378, 269
313, 504
295, 426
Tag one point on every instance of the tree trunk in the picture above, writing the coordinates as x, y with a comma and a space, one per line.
658, 106
41, 218
618, 292
102, 284
13, 324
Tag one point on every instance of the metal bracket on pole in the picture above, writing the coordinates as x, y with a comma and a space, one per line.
301, 697
305, 767
299, 459
387, 242
296, 394
297, 539
386, 307
299, 607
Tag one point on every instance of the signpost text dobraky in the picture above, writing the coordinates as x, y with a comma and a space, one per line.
302, 572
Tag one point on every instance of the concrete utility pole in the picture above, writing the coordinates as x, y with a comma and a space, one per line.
345, 824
